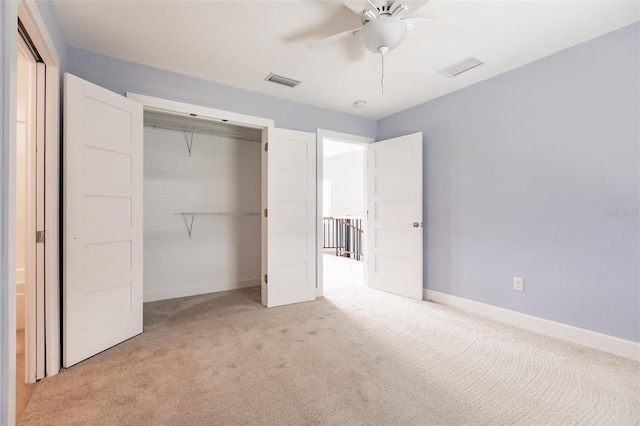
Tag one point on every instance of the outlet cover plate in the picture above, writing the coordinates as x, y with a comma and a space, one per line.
518, 283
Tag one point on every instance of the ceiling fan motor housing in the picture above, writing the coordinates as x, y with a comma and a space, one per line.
386, 31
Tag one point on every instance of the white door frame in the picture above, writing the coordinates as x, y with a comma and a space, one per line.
33, 22
151, 103
34, 211
321, 135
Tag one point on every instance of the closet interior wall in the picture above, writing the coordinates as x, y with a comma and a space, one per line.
202, 195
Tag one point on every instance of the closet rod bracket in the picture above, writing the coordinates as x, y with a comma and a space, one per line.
189, 223
190, 216
188, 137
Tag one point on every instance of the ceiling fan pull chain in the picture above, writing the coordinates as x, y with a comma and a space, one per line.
382, 50
382, 80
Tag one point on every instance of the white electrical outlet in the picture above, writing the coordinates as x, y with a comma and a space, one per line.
518, 283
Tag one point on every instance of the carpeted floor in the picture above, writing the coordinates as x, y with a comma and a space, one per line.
357, 356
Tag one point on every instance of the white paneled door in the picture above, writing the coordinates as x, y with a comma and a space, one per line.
289, 195
394, 214
102, 279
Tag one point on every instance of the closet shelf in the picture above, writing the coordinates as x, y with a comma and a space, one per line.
190, 125
189, 221
188, 136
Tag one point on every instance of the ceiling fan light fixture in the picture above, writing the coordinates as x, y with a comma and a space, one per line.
384, 31
384, 26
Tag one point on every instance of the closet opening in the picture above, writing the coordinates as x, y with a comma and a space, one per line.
202, 206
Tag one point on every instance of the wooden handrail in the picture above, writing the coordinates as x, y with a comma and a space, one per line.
344, 222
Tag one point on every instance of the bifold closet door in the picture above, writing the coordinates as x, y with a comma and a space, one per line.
289, 218
102, 246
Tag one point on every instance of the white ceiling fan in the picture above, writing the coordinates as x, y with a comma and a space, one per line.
386, 23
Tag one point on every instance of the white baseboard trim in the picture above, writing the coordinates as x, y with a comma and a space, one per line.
599, 341
174, 293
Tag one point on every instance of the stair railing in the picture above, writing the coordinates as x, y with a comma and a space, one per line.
344, 234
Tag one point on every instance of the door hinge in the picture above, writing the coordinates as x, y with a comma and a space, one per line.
266, 281
266, 213
266, 146
39, 237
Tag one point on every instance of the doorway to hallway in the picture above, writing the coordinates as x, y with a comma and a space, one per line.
343, 214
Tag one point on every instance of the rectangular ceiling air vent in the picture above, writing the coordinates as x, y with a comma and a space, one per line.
462, 66
274, 78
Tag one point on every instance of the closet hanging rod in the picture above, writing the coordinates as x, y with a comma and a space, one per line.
189, 223
225, 213
204, 131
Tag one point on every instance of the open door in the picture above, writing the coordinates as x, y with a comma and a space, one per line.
102, 245
394, 214
289, 218
39, 221
31, 76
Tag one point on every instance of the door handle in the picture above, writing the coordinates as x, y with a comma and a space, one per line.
416, 224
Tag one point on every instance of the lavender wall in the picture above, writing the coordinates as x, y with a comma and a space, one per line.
535, 173
50, 20
123, 76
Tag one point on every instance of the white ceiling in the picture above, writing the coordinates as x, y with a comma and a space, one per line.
239, 42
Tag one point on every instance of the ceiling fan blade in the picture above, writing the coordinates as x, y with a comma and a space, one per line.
412, 6
359, 6
345, 35
423, 27
401, 12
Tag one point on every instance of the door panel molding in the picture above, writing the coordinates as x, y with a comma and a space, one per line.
395, 216
289, 205
102, 282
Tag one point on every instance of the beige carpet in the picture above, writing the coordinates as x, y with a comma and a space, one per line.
357, 356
